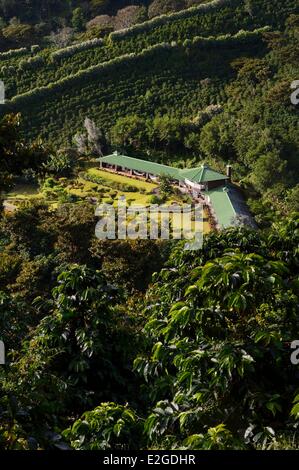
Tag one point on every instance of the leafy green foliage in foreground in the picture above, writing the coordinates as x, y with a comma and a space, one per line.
210, 369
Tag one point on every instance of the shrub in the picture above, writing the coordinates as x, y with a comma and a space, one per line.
31, 63
154, 199
108, 426
35, 48
112, 184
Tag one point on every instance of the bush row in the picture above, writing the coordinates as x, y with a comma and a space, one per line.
172, 80
84, 75
71, 50
13, 53
126, 188
35, 48
218, 21
241, 36
164, 19
7, 69
31, 63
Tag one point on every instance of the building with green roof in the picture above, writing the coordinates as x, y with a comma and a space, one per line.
224, 201
197, 179
144, 167
204, 175
228, 207
221, 207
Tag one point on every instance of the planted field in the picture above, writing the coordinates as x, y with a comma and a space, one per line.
24, 70
184, 79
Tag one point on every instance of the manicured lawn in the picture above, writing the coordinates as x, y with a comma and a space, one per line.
84, 190
122, 179
87, 189
23, 192
131, 198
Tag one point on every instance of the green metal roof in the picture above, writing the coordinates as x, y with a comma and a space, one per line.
202, 174
223, 207
140, 165
198, 175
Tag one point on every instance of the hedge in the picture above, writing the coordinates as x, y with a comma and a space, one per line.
71, 50
97, 70
31, 63
236, 39
162, 77
13, 53
164, 19
83, 75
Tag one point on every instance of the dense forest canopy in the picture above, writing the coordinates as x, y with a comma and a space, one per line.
45, 10
26, 20
147, 346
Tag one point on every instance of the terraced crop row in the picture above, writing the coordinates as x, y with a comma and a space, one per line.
217, 18
163, 79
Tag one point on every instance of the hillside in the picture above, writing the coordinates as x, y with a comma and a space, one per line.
171, 66
164, 75
33, 69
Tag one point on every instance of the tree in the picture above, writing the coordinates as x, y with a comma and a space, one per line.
83, 343
80, 142
217, 138
63, 37
61, 164
268, 170
227, 326
129, 16
166, 132
108, 426
128, 263
95, 137
103, 24
15, 156
91, 142
159, 7
73, 228
129, 132
292, 199
25, 232
165, 186
78, 20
